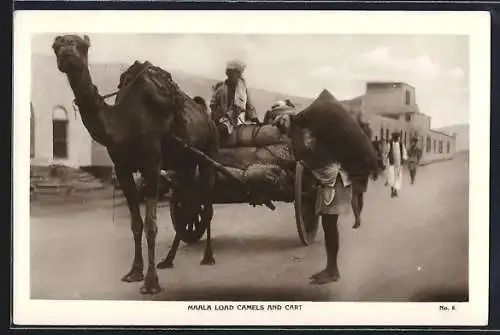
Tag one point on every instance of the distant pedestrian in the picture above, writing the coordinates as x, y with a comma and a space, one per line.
414, 156
396, 157
360, 183
385, 160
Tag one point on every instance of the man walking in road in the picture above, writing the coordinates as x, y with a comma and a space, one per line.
396, 157
414, 155
360, 182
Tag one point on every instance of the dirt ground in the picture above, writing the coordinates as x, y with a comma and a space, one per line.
411, 248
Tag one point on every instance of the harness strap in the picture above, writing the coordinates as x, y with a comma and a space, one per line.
147, 67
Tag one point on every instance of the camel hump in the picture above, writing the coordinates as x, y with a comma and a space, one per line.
133, 71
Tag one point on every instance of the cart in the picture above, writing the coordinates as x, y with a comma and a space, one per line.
299, 186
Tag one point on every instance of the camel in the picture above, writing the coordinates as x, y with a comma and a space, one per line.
138, 132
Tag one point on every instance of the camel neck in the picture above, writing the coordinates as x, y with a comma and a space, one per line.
90, 104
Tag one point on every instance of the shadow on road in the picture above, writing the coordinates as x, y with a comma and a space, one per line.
247, 244
441, 295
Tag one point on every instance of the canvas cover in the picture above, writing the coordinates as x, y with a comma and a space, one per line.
264, 181
242, 157
252, 135
339, 135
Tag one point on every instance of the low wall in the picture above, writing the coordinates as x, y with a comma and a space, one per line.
103, 173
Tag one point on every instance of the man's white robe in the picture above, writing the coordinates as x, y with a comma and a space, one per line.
395, 171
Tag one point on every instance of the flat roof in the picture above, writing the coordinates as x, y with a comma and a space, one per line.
442, 133
388, 83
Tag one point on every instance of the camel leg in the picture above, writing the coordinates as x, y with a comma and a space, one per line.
186, 175
208, 174
168, 262
132, 195
152, 178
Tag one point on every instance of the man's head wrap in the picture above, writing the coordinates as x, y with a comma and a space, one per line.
236, 65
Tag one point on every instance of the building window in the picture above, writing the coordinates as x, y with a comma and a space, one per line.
447, 147
408, 117
60, 133
440, 147
434, 145
428, 149
407, 98
404, 140
422, 143
32, 131
381, 133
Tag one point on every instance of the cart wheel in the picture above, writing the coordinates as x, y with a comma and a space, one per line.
305, 200
190, 225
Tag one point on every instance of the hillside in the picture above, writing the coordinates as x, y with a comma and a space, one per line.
462, 132
106, 76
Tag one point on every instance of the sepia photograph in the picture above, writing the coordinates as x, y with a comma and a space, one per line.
233, 173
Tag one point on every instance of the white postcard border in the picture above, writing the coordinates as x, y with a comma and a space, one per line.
48, 312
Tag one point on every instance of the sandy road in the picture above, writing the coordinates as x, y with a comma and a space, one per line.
413, 247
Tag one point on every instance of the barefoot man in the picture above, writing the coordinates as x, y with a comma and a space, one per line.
414, 155
335, 189
360, 183
334, 198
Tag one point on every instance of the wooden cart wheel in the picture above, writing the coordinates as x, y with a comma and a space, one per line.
189, 224
305, 200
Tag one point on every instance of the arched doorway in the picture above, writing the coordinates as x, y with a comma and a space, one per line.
60, 133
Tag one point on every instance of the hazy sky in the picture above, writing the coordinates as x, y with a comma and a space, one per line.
437, 66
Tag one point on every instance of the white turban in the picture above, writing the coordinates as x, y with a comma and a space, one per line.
236, 65
281, 105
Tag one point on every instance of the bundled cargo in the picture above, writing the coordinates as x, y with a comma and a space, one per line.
269, 181
251, 135
339, 135
242, 157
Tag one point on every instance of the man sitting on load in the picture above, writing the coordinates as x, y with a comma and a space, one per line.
230, 99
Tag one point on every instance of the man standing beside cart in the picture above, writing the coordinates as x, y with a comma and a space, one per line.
323, 135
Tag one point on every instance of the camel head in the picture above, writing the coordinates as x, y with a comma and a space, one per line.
71, 52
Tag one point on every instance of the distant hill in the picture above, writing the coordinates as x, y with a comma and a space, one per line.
462, 132
106, 76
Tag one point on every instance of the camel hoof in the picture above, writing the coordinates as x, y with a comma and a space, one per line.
133, 276
151, 286
208, 261
165, 264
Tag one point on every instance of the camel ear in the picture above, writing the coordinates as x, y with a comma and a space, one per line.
86, 38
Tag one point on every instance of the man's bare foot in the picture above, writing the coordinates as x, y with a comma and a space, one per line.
357, 223
325, 276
